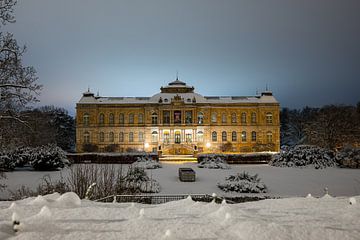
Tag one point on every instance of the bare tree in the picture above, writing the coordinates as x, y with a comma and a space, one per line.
18, 83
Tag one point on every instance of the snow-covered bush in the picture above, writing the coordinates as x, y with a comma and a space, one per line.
6, 162
348, 157
138, 180
147, 163
304, 155
214, 162
243, 183
48, 157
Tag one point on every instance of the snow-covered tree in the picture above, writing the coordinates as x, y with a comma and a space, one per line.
18, 83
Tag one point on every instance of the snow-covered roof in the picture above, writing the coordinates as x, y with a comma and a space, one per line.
177, 91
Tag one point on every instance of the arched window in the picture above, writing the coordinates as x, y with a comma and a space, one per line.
154, 118
131, 136
141, 118
214, 136
243, 118
86, 137
224, 136
121, 118
154, 136
111, 137
102, 137
141, 137
214, 117
131, 118
111, 118
101, 119
234, 136
200, 136
200, 118
253, 136
269, 138
223, 118
269, 118
243, 136
233, 118
86, 119
121, 137
253, 117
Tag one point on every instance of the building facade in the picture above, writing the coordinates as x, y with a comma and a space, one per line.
178, 121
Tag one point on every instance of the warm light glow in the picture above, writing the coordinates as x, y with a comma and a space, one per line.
208, 145
146, 145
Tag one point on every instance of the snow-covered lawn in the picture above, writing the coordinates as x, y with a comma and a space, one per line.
66, 217
281, 182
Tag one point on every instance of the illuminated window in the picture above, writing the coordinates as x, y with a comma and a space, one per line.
243, 118
243, 136
214, 117
200, 118
177, 117
224, 136
214, 136
188, 137
141, 118
154, 136
154, 118
223, 118
233, 117
166, 137
269, 137
200, 136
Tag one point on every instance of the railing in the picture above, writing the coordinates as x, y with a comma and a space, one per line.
158, 199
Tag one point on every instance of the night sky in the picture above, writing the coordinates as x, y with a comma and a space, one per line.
306, 51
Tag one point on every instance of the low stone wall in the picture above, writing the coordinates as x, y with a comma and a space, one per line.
121, 158
251, 158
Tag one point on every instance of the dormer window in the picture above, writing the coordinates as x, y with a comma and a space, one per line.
166, 100
188, 100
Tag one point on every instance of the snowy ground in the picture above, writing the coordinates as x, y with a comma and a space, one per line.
282, 182
66, 217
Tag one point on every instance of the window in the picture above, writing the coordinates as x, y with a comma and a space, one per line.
101, 119
111, 118
154, 136
188, 117
131, 136
177, 137
214, 117
243, 136
86, 137
224, 136
141, 137
102, 137
253, 117
177, 117
111, 137
121, 137
131, 118
166, 137
121, 118
141, 118
253, 136
200, 118
269, 137
166, 117
214, 136
233, 118
269, 118
154, 118
243, 118
200, 136
233, 136
223, 118
86, 119
188, 137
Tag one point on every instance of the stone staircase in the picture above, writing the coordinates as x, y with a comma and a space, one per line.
177, 158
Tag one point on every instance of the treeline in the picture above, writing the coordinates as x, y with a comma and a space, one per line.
332, 126
39, 127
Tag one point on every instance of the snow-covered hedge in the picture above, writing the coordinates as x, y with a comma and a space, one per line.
214, 162
349, 157
47, 157
243, 183
304, 155
147, 163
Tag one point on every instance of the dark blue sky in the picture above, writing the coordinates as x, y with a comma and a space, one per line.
307, 51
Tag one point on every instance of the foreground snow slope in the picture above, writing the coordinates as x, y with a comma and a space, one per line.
66, 217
